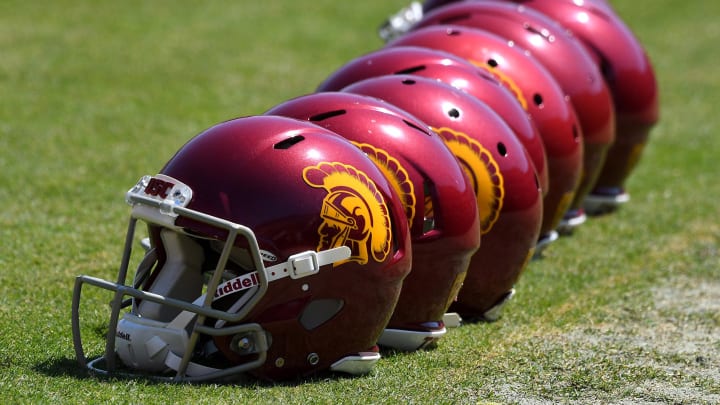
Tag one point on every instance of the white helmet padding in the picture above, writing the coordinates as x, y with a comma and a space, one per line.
145, 336
180, 276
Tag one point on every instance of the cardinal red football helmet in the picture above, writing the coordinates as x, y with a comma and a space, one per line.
439, 202
536, 91
277, 248
568, 62
631, 79
502, 176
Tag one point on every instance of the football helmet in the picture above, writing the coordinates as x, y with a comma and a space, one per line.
503, 178
536, 91
568, 62
277, 249
631, 79
437, 195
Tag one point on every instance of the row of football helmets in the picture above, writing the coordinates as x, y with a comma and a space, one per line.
407, 194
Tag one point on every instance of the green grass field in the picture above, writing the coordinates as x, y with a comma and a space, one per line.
94, 95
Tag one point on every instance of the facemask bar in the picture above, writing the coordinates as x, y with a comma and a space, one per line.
164, 211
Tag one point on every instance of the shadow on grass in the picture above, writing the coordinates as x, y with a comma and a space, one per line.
69, 367
62, 367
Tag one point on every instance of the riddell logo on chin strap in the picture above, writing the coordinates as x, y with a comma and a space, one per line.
237, 284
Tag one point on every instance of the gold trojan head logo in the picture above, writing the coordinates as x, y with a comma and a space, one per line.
354, 212
506, 81
483, 171
395, 174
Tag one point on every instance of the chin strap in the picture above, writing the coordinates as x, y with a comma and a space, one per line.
297, 266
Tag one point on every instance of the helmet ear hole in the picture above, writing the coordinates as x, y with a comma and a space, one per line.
429, 215
320, 311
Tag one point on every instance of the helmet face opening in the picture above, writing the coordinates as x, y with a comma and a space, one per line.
153, 331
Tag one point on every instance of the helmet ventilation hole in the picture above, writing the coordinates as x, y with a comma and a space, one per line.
429, 212
408, 81
454, 113
538, 99
502, 149
492, 63
326, 115
287, 143
412, 69
421, 129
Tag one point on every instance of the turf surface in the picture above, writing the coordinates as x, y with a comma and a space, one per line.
94, 95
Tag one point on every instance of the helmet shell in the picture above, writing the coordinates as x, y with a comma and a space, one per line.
277, 176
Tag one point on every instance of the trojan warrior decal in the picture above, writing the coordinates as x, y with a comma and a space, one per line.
506, 81
483, 171
354, 212
395, 174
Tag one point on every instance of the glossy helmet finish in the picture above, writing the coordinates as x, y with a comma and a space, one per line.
404, 19
452, 70
564, 57
297, 235
537, 92
629, 75
509, 198
437, 195
433, 4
